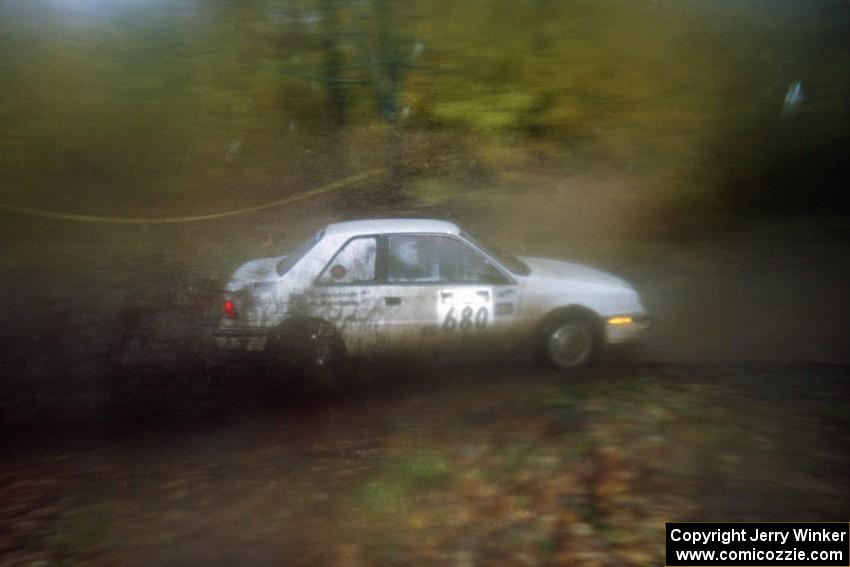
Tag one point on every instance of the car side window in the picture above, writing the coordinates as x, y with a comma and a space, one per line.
354, 263
425, 258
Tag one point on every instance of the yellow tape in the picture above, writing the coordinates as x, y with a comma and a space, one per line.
173, 220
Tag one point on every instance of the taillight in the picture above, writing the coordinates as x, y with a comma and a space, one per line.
230, 309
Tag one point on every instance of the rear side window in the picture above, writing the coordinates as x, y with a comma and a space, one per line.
354, 263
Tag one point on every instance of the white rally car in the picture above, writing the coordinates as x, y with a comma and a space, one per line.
396, 285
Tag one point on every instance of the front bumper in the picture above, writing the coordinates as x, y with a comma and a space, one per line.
628, 328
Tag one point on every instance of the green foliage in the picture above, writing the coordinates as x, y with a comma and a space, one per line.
399, 484
383, 497
76, 537
489, 113
426, 470
142, 105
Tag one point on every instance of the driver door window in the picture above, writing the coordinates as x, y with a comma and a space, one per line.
354, 263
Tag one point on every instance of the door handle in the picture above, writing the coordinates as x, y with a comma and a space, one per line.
392, 300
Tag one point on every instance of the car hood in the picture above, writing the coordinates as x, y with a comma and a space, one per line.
261, 270
573, 273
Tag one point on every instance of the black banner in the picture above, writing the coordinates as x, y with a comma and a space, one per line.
758, 544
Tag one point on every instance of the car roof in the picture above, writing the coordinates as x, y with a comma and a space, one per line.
391, 226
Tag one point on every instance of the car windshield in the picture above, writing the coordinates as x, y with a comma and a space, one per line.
287, 262
509, 261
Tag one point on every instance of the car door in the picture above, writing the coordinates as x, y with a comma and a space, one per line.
344, 294
438, 291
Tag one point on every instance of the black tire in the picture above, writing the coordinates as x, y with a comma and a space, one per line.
571, 342
322, 357
312, 348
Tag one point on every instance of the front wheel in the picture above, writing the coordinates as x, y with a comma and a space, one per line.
570, 343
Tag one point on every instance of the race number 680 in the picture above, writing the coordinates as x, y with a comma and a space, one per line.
466, 319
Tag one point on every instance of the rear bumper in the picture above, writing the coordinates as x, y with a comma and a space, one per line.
241, 338
240, 332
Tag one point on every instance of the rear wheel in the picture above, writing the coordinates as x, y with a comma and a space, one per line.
309, 348
322, 355
570, 342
